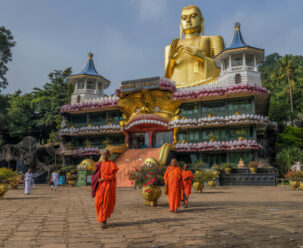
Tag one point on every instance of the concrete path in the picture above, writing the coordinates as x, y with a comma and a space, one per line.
224, 217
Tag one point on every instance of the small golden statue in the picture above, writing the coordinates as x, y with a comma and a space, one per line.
188, 60
241, 164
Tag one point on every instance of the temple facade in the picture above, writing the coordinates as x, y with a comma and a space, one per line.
214, 121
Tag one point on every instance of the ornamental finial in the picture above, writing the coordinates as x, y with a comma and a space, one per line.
90, 55
237, 25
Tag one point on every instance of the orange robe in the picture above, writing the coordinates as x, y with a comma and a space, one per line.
105, 197
187, 183
173, 178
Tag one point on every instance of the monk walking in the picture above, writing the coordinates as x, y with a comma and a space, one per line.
174, 185
187, 177
104, 188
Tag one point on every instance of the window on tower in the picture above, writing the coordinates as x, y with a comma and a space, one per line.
80, 84
91, 85
237, 60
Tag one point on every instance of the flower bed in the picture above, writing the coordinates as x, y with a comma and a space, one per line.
92, 130
102, 103
218, 145
219, 91
220, 121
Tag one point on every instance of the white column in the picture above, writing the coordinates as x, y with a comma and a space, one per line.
221, 65
229, 57
255, 63
244, 59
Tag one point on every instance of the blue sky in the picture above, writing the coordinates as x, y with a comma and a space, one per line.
128, 37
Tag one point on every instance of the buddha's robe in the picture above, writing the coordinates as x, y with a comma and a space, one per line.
105, 196
173, 178
187, 183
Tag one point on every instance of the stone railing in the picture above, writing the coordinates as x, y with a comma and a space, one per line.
91, 130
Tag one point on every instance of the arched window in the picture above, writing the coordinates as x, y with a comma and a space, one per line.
237, 78
78, 98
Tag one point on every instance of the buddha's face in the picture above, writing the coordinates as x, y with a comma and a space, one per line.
191, 19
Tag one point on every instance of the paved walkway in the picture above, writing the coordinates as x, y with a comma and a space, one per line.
224, 217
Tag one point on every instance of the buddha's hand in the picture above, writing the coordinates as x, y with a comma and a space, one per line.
195, 52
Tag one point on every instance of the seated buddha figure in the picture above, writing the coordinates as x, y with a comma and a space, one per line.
188, 60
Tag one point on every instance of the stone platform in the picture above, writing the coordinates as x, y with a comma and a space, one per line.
224, 217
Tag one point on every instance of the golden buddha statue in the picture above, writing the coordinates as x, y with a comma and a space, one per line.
188, 60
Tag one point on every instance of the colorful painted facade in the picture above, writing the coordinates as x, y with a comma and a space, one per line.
216, 120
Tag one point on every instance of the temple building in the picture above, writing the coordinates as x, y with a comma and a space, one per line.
210, 107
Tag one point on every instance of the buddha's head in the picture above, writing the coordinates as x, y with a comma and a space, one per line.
191, 20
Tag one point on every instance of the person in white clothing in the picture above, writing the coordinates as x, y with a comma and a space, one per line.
54, 180
28, 181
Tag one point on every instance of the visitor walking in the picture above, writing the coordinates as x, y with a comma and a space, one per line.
104, 188
173, 185
187, 177
28, 181
54, 180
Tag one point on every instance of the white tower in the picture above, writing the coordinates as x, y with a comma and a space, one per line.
88, 83
239, 62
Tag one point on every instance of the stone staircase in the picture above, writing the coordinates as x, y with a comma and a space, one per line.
131, 159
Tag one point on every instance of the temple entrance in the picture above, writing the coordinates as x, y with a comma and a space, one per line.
160, 138
138, 140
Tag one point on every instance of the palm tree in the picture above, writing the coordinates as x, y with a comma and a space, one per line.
286, 72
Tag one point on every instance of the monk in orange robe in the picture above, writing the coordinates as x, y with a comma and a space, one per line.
105, 194
187, 177
173, 180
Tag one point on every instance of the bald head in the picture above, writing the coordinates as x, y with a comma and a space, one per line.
106, 154
173, 162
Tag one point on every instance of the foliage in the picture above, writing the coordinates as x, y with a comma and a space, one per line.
204, 176
197, 166
6, 44
295, 176
287, 157
253, 164
215, 167
291, 136
277, 74
227, 166
6, 175
147, 175
37, 113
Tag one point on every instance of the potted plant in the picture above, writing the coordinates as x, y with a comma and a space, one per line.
295, 178
253, 165
150, 178
5, 175
212, 137
15, 179
211, 179
227, 167
69, 145
88, 143
216, 169
199, 179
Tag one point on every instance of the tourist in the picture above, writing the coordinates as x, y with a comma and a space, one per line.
173, 185
104, 188
54, 180
187, 182
28, 181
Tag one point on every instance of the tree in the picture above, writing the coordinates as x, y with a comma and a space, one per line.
283, 76
4, 103
47, 102
20, 115
6, 44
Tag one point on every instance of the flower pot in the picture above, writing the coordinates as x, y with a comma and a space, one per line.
212, 184
198, 186
227, 171
216, 173
71, 183
301, 185
294, 184
151, 194
3, 190
252, 170
14, 184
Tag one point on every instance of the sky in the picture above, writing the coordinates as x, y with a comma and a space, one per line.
127, 37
